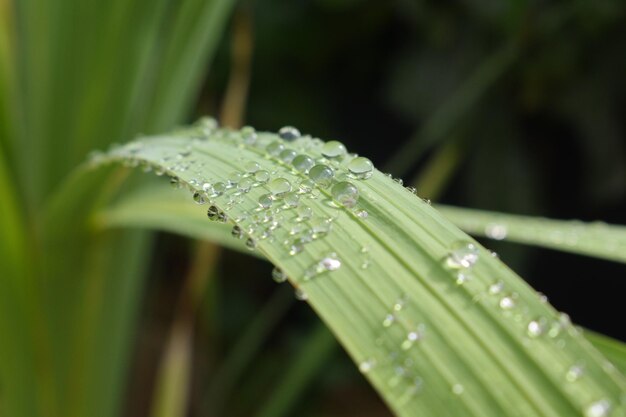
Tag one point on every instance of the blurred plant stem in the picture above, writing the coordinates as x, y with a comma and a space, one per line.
173, 387
245, 349
444, 119
318, 348
434, 178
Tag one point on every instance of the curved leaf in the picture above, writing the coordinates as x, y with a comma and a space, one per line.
596, 239
438, 325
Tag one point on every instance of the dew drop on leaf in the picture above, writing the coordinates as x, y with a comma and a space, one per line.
198, 197
303, 163
278, 275
279, 186
212, 212
496, 288
244, 185
322, 175
361, 168
248, 134
363, 214
496, 231
236, 232
304, 213
301, 294
367, 365
265, 201
389, 320
289, 133
458, 389
574, 373
345, 193
275, 148
287, 155
535, 328
251, 243
462, 255
291, 199
599, 408
218, 189
262, 176
252, 167
333, 149
507, 303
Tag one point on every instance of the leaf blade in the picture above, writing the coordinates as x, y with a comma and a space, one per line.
597, 239
476, 356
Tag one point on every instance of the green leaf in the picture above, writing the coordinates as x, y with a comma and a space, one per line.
613, 350
159, 207
596, 239
437, 324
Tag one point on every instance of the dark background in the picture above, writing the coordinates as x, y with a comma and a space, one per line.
540, 93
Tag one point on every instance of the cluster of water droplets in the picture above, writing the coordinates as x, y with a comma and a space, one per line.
275, 194
274, 201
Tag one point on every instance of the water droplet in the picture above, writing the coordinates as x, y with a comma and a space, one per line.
496, 288
291, 199
289, 133
251, 243
463, 255
218, 189
458, 389
297, 245
287, 155
461, 278
598, 409
322, 175
265, 201
275, 148
412, 337
248, 134
345, 193
361, 168
278, 275
389, 320
207, 124
412, 190
361, 213
367, 365
303, 163
574, 373
303, 213
333, 149
244, 185
234, 178
236, 232
301, 294
175, 182
400, 303
507, 303
212, 212
399, 181
320, 227
279, 186
198, 197
252, 167
262, 176
535, 328
329, 263
496, 231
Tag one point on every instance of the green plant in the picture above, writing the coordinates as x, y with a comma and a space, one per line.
416, 302
430, 317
